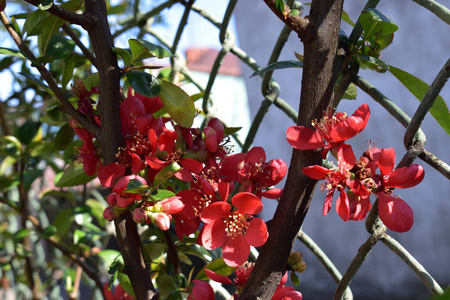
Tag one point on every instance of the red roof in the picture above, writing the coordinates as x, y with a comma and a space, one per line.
202, 60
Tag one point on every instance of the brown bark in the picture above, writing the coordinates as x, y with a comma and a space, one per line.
320, 70
111, 139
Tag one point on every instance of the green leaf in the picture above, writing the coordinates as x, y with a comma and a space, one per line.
125, 283
108, 256
231, 130
60, 47
144, 83
141, 49
10, 145
165, 285
97, 209
351, 92
154, 250
294, 278
48, 232
124, 54
162, 194
418, 88
178, 104
372, 63
64, 137
45, 4
63, 221
74, 175
279, 5
167, 172
72, 5
346, 18
218, 266
69, 66
33, 23
50, 26
38, 82
134, 186
30, 176
78, 235
27, 132
12, 52
21, 234
279, 65
376, 23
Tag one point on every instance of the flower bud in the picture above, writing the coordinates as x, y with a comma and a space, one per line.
139, 215
111, 199
109, 214
124, 202
2, 5
172, 205
300, 266
161, 220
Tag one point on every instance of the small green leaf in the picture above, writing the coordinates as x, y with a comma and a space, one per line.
72, 5
125, 283
178, 104
78, 235
165, 285
155, 250
144, 83
167, 172
346, 18
231, 130
21, 234
124, 54
162, 194
50, 26
279, 65
372, 63
135, 187
375, 23
351, 92
48, 232
218, 266
418, 88
64, 137
108, 256
69, 66
59, 47
12, 52
141, 49
97, 209
294, 12
30, 176
279, 5
38, 82
63, 221
74, 175
45, 4
294, 278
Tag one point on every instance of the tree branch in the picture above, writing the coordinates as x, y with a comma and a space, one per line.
71, 17
320, 70
441, 11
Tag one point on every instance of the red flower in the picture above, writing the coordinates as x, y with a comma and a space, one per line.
201, 291
339, 180
251, 170
234, 231
88, 153
119, 293
393, 211
330, 132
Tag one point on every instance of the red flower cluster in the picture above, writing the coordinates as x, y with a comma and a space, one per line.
194, 170
356, 180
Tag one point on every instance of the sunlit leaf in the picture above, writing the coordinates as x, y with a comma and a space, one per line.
33, 22
217, 266
165, 174
50, 26
162, 194
177, 103
346, 18
124, 54
141, 49
48, 232
376, 23
418, 88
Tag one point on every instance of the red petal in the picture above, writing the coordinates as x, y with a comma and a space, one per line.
230, 165
257, 234
274, 193
327, 203
395, 213
110, 173
213, 235
211, 139
216, 210
256, 155
343, 207
192, 165
386, 161
362, 113
90, 162
406, 177
217, 277
304, 138
235, 250
202, 290
218, 127
224, 189
166, 141
247, 203
345, 156
316, 172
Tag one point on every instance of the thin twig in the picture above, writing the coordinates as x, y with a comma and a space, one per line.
417, 268
80, 45
326, 262
65, 104
441, 11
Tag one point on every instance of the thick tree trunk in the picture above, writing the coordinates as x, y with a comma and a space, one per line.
320, 69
